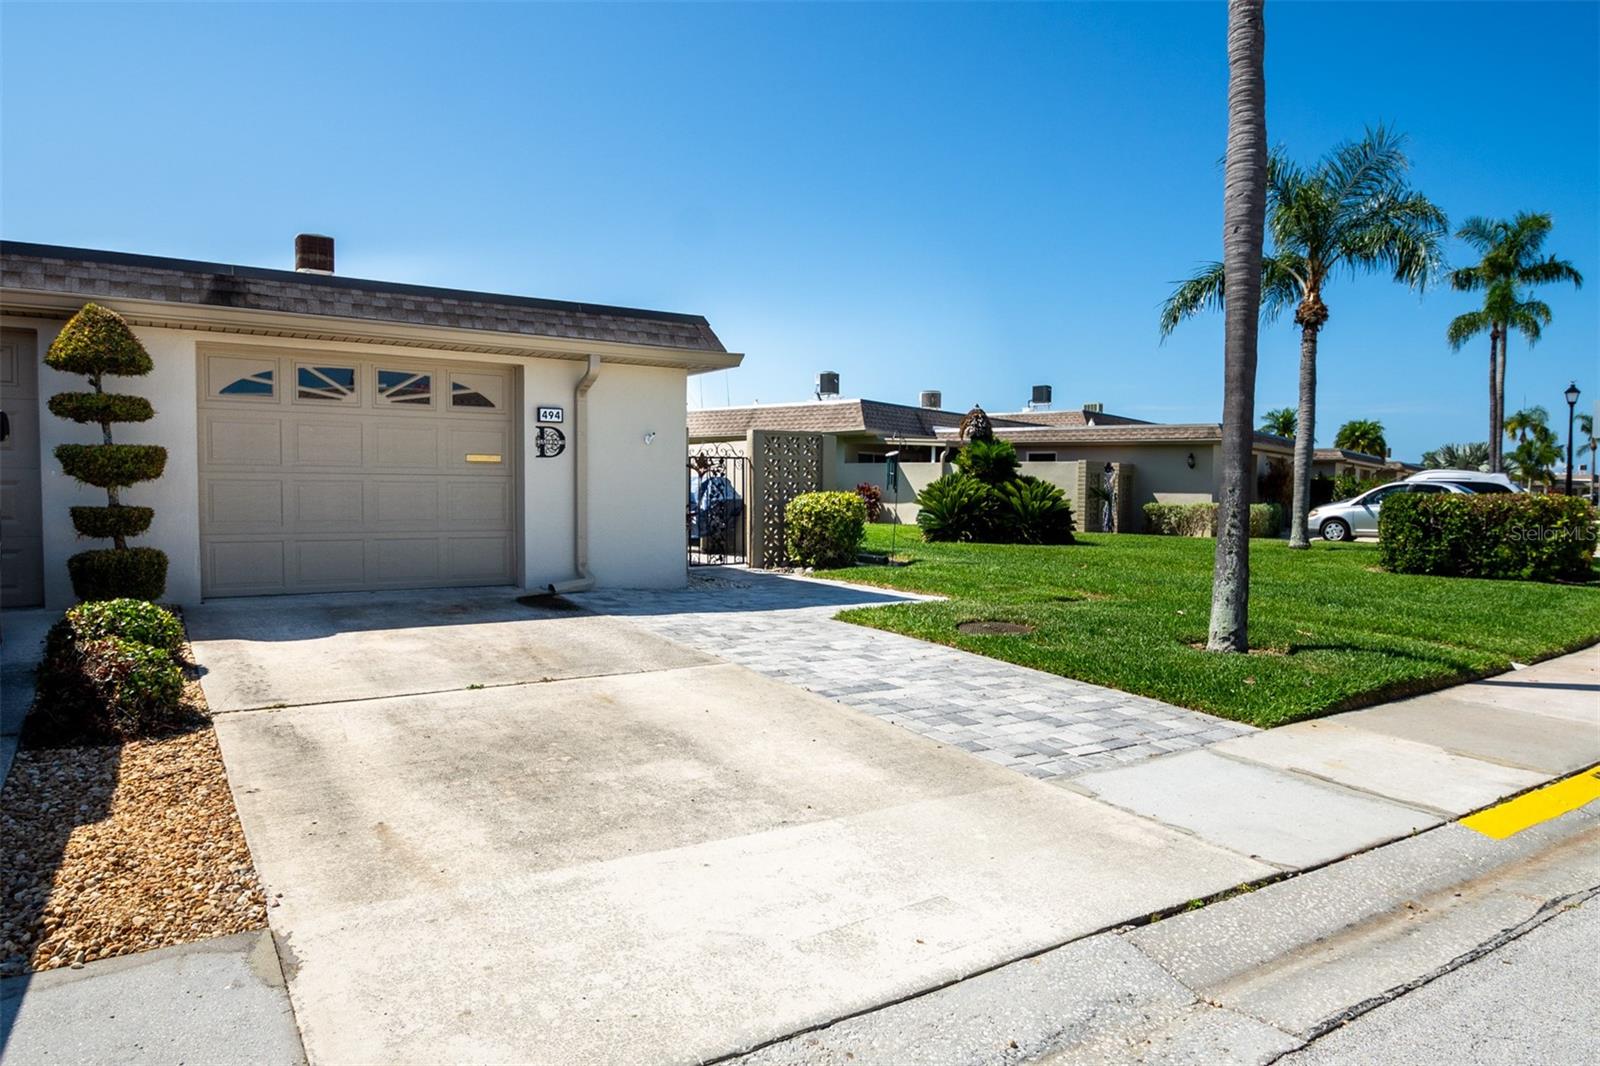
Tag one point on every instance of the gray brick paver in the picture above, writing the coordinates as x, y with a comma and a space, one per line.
1033, 722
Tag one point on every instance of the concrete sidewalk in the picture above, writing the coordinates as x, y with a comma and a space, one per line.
1308, 793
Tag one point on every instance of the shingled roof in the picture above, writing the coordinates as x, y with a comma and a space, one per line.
825, 416
1128, 433
95, 274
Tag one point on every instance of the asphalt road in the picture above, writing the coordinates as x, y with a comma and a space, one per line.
1532, 1001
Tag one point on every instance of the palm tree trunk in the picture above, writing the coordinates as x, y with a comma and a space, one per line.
1500, 401
1304, 444
1244, 208
1494, 398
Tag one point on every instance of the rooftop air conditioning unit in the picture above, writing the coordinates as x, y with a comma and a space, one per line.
931, 398
828, 385
1041, 398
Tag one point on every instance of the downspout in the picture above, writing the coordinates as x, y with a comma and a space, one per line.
580, 483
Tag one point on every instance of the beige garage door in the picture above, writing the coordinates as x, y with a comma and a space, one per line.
321, 473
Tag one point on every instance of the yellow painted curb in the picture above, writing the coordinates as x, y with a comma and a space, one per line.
1540, 805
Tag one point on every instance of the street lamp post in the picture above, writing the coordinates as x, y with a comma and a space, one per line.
1572, 409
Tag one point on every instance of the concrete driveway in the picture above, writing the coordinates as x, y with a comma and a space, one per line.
619, 849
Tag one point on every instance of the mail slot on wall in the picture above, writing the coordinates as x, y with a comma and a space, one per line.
480, 457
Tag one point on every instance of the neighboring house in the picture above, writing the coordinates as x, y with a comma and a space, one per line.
1333, 462
1156, 462
326, 433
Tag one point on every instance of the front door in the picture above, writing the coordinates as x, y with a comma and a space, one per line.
21, 544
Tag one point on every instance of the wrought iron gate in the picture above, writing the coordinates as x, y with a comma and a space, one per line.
716, 516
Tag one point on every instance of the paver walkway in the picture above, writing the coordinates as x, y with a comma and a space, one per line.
1040, 724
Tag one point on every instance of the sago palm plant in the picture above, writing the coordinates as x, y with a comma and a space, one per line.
1352, 213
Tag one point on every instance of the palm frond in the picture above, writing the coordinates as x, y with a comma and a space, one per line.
1482, 233
1549, 271
1201, 291
1465, 327
1356, 171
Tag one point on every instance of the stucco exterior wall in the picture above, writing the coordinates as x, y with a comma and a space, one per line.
635, 489
638, 490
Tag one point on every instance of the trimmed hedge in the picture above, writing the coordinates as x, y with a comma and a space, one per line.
107, 523
112, 466
1500, 535
114, 573
101, 407
100, 681
1200, 519
825, 529
98, 341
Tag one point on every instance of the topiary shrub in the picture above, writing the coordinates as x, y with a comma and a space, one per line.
872, 497
993, 462
108, 674
1035, 512
825, 529
97, 342
957, 506
140, 573
1503, 535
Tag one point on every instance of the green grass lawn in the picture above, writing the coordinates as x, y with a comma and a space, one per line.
1331, 631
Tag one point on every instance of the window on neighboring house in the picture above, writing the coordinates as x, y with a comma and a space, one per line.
871, 457
406, 387
1041, 457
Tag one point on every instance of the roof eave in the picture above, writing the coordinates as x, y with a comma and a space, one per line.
249, 322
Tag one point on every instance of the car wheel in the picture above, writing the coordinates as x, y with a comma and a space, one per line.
1335, 529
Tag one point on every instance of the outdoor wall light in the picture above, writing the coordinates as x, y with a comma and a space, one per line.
650, 437
1190, 460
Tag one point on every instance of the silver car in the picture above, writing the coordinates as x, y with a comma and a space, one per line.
1346, 519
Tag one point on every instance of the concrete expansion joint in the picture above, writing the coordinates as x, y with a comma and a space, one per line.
527, 683
1302, 773
1547, 910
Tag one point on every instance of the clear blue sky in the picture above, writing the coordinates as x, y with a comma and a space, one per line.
974, 199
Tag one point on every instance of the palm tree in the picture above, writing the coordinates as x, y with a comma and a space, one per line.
1362, 435
1509, 260
1527, 421
1474, 456
1354, 213
1534, 458
1586, 427
1280, 422
1244, 204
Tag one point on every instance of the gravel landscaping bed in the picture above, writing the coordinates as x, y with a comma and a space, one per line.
109, 850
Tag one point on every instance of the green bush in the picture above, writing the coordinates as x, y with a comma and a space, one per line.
1181, 519
106, 523
1266, 519
130, 619
1500, 535
100, 407
100, 682
1349, 486
956, 507
825, 529
112, 466
97, 341
1034, 512
1200, 519
993, 462
113, 573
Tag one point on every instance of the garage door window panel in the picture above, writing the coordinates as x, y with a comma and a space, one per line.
477, 392
318, 383
241, 378
405, 388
